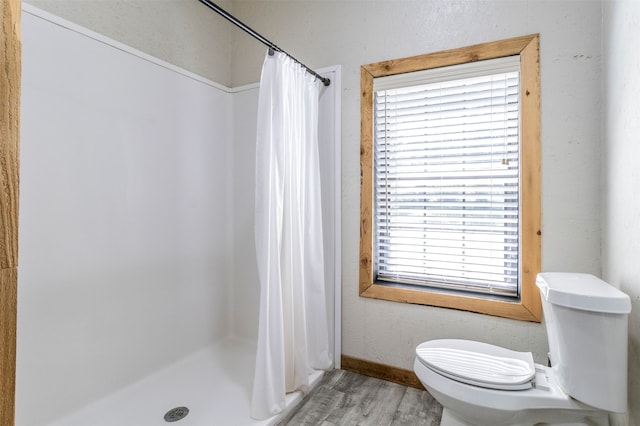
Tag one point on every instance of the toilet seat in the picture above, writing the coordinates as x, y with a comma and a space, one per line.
478, 364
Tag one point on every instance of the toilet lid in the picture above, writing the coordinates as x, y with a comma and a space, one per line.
478, 364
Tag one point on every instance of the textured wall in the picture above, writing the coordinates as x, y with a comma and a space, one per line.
352, 33
182, 32
621, 204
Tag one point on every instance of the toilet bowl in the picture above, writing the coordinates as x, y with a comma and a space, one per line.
479, 384
497, 401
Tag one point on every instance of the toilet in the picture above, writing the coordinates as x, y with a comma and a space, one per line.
479, 384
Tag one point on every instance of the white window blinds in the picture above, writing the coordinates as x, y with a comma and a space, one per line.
447, 178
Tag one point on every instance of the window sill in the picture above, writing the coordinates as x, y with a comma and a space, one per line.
525, 309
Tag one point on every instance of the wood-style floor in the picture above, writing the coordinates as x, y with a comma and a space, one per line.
345, 398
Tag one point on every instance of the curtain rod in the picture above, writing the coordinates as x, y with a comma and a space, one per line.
272, 46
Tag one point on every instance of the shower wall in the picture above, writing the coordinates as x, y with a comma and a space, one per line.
126, 203
136, 220
246, 294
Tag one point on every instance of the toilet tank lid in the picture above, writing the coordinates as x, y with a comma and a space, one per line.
582, 291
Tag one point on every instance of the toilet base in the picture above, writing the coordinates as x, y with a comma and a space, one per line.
543, 405
449, 419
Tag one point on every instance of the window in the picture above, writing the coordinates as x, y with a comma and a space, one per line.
450, 197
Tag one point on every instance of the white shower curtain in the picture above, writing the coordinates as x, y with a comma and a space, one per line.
293, 332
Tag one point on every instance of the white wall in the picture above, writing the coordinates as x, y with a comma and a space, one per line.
183, 32
125, 243
621, 204
353, 33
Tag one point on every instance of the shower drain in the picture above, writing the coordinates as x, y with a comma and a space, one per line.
176, 414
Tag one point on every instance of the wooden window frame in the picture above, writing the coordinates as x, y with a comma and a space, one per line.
528, 307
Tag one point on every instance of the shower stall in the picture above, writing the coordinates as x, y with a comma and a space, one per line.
138, 286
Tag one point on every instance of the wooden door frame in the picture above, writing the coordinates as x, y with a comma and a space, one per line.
10, 74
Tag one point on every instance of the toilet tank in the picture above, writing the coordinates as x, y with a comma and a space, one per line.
586, 321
